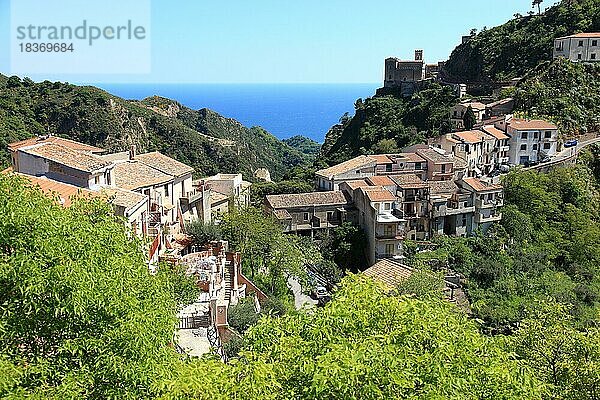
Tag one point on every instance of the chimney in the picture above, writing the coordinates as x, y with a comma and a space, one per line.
132, 152
418, 55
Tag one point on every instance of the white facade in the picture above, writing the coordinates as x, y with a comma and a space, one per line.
583, 47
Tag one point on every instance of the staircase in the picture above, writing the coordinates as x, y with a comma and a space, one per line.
228, 281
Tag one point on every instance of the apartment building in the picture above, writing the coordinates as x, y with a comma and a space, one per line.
581, 47
311, 213
487, 199
529, 139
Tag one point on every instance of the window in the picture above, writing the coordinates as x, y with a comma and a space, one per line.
387, 206
548, 135
167, 191
305, 216
536, 135
524, 135
358, 171
108, 178
523, 147
182, 188
329, 215
418, 165
97, 179
546, 146
455, 113
594, 43
579, 56
388, 168
535, 147
581, 43
443, 168
464, 220
593, 56
389, 249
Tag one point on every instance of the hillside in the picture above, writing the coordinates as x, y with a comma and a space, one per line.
305, 145
514, 48
565, 92
203, 139
384, 124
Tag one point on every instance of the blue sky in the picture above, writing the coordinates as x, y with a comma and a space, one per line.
278, 41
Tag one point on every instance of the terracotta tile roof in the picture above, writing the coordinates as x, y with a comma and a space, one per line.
495, 132
131, 175
353, 185
123, 198
409, 181
473, 136
165, 164
434, 156
378, 194
530, 124
63, 191
475, 105
411, 157
347, 166
442, 187
122, 156
381, 180
500, 102
73, 145
382, 158
216, 197
307, 199
459, 163
60, 154
282, 214
479, 186
582, 35
390, 273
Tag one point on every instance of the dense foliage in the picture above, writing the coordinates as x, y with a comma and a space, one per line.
384, 124
304, 145
202, 139
562, 91
80, 315
363, 345
513, 49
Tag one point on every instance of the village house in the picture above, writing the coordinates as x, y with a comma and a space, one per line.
458, 112
500, 147
233, 186
310, 213
203, 325
487, 198
475, 147
530, 140
356, 168
376, 216
581, 47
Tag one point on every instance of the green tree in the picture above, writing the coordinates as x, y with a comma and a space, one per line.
202, 232
364, 344
80, 314
469, 119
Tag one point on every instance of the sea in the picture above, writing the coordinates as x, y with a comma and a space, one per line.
285, 110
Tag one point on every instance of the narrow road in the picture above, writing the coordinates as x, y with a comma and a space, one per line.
567, 153
300, 299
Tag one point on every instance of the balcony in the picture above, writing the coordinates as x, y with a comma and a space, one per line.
446, 211
192, 197
502, 149
498, 202
481, 219
503, 160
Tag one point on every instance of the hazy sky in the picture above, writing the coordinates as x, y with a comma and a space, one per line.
279, 41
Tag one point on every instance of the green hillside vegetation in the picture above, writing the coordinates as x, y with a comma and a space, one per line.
518, 46
203, 139
384, 124
562, 91
305, 145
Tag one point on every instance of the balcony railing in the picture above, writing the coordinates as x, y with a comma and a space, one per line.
498, 202
490, 218
193, 196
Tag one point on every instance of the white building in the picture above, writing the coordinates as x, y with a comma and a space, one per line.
530, 140
581, 47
